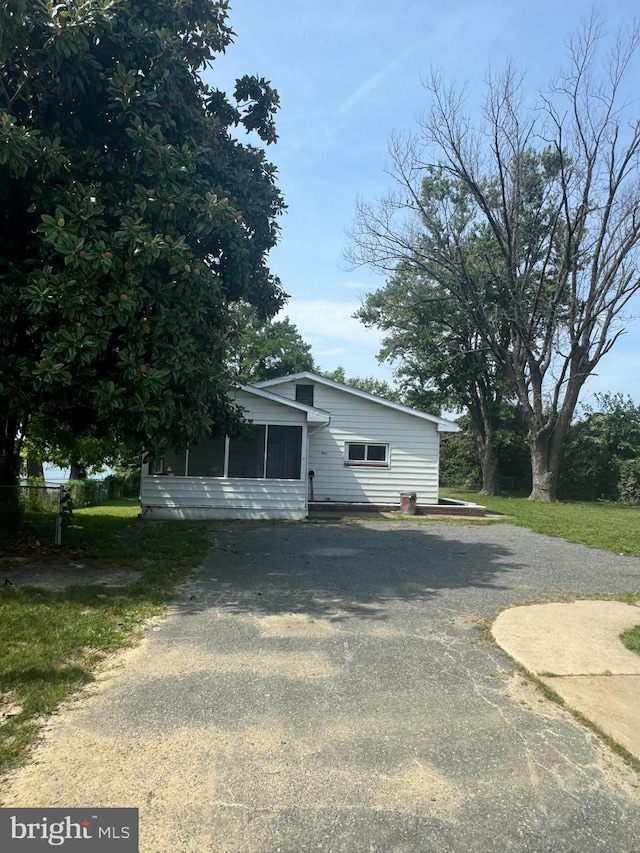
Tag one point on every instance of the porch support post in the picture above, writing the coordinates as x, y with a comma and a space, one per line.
225, 472
266, 444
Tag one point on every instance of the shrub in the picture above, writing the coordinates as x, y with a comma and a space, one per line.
35, 500
84, 492
123, 484
459, 465
629, 483
93, 492
598, 447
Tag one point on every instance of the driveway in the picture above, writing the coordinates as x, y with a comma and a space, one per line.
330, 687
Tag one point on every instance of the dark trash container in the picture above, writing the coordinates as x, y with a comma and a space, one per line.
408, 503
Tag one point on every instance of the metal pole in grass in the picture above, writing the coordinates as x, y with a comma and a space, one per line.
59, 516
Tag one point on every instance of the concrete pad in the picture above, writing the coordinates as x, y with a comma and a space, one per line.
611, 702
577, 638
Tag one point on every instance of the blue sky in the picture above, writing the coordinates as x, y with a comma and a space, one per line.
349, 73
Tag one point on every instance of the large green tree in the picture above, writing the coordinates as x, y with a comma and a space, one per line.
370, 384
130, 216
264, 350
554, 187
441, 359
460, 461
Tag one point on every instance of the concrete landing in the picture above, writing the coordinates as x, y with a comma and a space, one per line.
576, 649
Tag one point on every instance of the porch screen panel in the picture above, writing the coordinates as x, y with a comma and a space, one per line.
284, 449
207, 458
246, 454
171, 463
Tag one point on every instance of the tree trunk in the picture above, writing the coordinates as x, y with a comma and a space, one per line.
10, 514
545, 457
34, 468
9, 452
482, 413
488, 456
77, 471
547, 433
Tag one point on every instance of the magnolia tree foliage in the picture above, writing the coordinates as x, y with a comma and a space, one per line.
552, 190
130, 216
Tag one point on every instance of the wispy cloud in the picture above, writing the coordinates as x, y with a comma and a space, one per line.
322, 321
336, 339
374, 81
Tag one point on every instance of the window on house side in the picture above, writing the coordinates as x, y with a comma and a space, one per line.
359, 453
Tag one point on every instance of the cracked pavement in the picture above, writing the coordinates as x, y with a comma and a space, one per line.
331, 687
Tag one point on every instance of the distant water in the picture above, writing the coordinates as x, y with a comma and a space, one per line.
55, 475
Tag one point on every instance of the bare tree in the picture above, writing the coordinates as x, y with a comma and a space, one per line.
531, 218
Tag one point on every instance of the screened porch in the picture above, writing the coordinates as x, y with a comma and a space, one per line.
259, 475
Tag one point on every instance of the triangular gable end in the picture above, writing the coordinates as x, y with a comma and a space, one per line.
314, 415
442, 424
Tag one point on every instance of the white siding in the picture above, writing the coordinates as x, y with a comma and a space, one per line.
217, 497
413, 444
262, 411
209, 497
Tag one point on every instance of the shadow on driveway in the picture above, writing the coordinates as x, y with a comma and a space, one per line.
338, 571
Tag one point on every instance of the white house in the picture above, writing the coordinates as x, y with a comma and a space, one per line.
309, 438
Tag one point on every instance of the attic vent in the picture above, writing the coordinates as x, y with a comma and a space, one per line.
304, 394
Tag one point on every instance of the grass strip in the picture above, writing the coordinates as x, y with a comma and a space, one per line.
549, 693
620, 750
607, 526
50, 642
631, 638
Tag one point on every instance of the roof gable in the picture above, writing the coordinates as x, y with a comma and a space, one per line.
314, 416
442, 424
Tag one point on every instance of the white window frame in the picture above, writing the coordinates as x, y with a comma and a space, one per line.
367, 463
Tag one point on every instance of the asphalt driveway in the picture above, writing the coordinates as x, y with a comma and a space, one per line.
328, 687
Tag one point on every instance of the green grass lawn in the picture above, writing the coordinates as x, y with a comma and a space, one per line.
608, 526
50, 642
